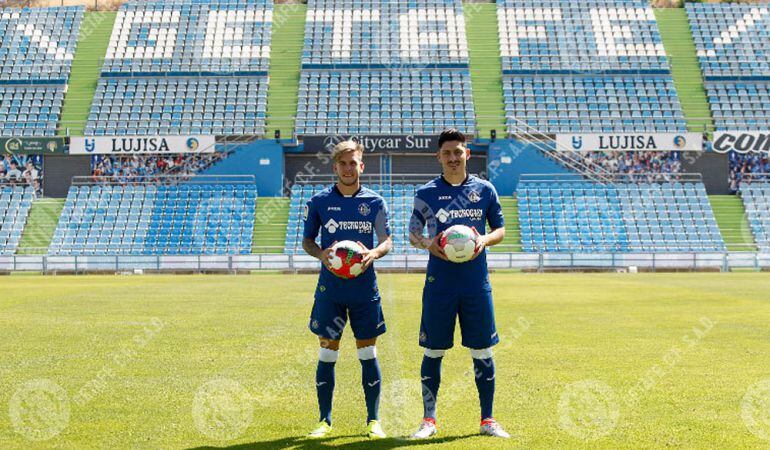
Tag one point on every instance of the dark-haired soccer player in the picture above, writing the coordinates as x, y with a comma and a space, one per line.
347, 211
457, 290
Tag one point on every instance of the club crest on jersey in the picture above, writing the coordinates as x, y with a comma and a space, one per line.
364, 209
474, 197
331, 226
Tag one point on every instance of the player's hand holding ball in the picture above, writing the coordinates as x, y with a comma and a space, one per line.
461, 243
346, 259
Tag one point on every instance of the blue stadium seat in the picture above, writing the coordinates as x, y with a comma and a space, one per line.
581, 216
156, 220
15, 203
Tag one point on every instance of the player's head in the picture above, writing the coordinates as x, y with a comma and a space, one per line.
348, 162
452, 153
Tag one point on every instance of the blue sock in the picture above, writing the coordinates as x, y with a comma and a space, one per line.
324, 383
371, 380
484, 370
430, 374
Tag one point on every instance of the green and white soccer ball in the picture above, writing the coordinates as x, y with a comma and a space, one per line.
459, 243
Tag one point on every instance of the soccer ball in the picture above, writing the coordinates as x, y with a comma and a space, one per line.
459, 243
347, 259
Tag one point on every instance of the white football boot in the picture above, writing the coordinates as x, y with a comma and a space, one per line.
426, 430
490, 427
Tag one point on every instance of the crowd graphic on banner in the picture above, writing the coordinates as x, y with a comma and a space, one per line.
22, 170
746, 166
635, 162
143, 168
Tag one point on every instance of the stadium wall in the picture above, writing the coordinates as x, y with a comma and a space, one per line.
59, 171
509, 159
262, 158
715, 168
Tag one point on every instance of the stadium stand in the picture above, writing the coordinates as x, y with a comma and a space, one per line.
15, 202
185, 67
581, 216
36, 50
137, 168
734, 54
636, 163
182, 219
756, 200
384, 67
179, 105
382, 101
742, 105
585, 67
399, 198
747, 166
593, 104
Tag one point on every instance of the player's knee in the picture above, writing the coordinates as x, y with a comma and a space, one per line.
484, 353
430, 353
368, 352
329, 343
327, 355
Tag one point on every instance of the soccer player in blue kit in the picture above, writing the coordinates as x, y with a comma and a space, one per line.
454, 290
347, 211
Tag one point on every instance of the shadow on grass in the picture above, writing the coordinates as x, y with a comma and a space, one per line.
301, 442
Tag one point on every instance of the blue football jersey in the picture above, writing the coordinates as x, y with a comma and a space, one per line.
439, 205
359, 217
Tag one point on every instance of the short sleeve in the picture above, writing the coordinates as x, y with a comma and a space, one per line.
312, 221
494, 210
418, 218
382, 222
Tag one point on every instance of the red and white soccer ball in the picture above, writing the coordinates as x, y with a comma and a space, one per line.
347, 259
459, 243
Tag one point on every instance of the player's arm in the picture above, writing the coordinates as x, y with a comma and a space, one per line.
417, 227
310, 232
384, 239
496, 224
313, 249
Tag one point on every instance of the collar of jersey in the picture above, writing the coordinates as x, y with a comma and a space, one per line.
337, 190
467, 177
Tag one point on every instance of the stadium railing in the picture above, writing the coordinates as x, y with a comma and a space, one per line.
693, 261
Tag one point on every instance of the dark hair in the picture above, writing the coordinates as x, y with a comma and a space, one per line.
450, 134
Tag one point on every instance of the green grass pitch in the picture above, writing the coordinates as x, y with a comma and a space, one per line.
586, 361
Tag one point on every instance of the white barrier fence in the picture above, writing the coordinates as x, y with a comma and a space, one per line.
408, 263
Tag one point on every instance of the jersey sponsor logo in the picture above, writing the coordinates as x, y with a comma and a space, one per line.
364, 209
444, 216
360, 226
331, 226
334, 208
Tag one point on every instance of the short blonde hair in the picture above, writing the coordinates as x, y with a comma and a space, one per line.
347, 146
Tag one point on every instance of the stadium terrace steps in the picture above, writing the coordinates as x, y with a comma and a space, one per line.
733, 224
41, 224
94, 37
485, 65
270, 224
512, 241
285, 55
685, 69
